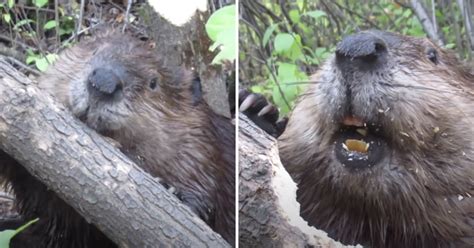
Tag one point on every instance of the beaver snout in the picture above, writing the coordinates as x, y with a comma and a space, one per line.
104, 82
361, 51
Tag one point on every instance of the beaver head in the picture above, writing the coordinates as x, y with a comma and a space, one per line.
112, 79
120, 87
381, 145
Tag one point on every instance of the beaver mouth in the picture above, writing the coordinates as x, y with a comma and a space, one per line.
358, 145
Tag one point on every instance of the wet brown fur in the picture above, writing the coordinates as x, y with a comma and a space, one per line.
187, 146
421, 195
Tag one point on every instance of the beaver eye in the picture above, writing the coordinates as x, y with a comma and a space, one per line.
432, 55
153, 83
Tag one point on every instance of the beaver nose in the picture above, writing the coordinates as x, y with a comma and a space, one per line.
362, 50
104, 81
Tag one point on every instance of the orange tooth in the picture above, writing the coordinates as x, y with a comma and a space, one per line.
353, 121
357, 145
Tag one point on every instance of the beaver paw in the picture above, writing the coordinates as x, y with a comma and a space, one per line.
261, 112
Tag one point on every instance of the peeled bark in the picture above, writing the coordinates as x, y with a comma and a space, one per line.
90, 174
268, 210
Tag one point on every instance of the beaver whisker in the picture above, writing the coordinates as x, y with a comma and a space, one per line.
115, 112
414, 87
302, 82
308, 94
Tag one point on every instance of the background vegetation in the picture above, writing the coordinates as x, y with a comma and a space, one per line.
282, 42
32, 32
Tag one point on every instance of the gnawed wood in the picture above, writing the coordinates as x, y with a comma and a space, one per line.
268, 210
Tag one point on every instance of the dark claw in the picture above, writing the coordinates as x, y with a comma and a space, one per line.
261, 112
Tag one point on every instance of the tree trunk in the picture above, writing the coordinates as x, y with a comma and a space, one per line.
268, 210
187, 44
90, 174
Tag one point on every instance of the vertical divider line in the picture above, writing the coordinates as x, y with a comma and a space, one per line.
236, 66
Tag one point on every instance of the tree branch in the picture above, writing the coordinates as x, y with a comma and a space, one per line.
428, 25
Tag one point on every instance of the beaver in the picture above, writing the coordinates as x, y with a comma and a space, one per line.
381, 143
120, 87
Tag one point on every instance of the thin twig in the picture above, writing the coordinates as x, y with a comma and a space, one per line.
56, 18
272, 72
14, 61
27, 25
430, 28
79, 22
23, 45
76, 36
127, 13
455, 24
36, 8
37, 25
357, 14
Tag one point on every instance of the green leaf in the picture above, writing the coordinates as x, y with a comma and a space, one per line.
283, 42
257, 89
294, 15
30, 52
316, 14
11, 3
221, 28
398, 11
446, 29
268, 33
7, 235
287, 73
63, 31
288, 46
300, 4
22, 22
227, 46
7, 17
40, 3
221, 20
51, 57
30, 59
50, 25
450, 45
295, 51
407, 13
43, 62
322, 53
279, 101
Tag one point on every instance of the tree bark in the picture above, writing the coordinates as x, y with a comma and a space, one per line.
188, 45
268, 210
90, 174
